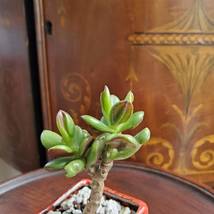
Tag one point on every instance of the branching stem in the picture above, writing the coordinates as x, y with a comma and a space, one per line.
97, 186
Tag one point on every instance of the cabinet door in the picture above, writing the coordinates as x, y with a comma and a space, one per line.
162, 50
18, 144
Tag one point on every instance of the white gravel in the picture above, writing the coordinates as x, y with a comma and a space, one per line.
107, 206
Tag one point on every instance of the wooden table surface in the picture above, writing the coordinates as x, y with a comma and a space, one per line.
164, 193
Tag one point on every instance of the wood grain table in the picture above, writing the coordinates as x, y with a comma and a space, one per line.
163, 192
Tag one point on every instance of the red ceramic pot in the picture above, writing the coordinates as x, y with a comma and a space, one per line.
141, 206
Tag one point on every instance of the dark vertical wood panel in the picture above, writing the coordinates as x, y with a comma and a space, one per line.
18, 144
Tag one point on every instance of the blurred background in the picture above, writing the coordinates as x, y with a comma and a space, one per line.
59, 54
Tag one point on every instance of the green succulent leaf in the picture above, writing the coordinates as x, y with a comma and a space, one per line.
50, 139
143, 136
68, 123
114, 99
74, 167
121, 146
129, 97
124, 154
58, 163
97, 124
103, 120
133, 122
65, 125
105, 101
111, 154
84, 145
95, 151
121, 112
59, 151
121, 141
78, 136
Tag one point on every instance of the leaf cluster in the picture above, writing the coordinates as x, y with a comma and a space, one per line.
74, 149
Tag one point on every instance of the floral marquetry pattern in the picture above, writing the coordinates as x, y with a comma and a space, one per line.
162, 50
185, 48
203, 158
76, 90
158, 153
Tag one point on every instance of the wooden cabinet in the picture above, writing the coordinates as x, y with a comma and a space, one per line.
18, 142
160, 49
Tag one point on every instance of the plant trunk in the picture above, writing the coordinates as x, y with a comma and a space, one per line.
97, 187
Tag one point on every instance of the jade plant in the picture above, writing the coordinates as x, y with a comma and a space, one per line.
75, 150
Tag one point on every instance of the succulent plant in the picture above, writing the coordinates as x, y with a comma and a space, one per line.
67, 149
75, 150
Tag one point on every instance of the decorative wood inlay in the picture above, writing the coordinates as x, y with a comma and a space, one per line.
193, 28
184, 46
171, 39
169, 66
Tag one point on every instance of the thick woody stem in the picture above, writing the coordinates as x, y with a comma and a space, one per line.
97, 187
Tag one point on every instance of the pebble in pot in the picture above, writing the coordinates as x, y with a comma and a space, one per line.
76, 203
